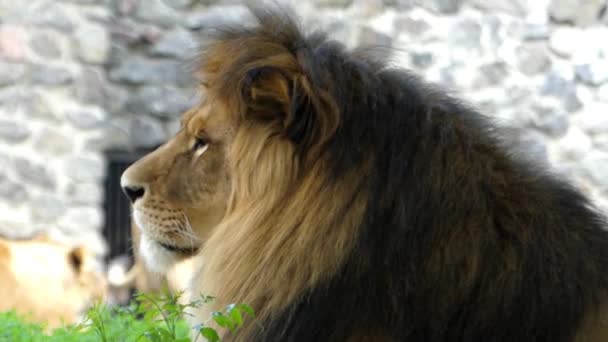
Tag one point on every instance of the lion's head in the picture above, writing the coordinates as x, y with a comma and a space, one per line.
256, 171
48, 282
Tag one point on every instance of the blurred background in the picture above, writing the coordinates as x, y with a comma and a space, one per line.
88, 86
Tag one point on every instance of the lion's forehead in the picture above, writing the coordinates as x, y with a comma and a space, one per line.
210, 118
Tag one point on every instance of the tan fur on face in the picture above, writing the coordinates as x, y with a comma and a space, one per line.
185, 193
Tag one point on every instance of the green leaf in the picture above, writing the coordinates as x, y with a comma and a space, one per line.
170, 307
248, 309
150, 315
222, 320
152, 336
235, 315
210, 334
164, 334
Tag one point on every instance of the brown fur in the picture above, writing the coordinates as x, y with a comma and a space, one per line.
347, 201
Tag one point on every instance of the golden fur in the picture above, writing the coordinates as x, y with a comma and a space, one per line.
267, 191
272, 176
48, 282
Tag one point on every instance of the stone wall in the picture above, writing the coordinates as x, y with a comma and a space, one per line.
80, 77
50, 171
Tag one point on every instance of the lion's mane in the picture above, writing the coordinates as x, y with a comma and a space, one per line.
368, 205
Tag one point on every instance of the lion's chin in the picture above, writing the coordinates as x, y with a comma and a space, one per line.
157, 258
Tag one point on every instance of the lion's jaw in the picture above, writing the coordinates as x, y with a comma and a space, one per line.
159, 249
157, 258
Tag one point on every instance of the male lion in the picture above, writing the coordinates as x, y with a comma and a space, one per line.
349, 201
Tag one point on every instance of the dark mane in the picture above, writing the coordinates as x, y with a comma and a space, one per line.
462, 239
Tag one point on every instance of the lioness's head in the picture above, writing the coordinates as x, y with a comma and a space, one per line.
47, 281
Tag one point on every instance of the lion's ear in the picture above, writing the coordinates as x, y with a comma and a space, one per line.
76, 258
267, 93
305, 114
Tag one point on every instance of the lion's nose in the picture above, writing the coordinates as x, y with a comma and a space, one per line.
134, 192
132, 188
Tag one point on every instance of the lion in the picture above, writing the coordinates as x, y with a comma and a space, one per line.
48, 282
346, 199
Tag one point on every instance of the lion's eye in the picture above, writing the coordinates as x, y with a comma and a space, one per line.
199, 143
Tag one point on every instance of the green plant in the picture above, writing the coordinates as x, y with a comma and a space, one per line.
148, 318
230, 318
168, 313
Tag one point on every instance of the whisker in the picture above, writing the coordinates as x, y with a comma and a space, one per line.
188, 231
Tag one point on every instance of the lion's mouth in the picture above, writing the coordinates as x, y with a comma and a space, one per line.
179, 250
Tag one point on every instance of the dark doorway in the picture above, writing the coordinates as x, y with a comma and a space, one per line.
117, 229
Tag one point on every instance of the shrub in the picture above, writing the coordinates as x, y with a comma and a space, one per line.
147, 318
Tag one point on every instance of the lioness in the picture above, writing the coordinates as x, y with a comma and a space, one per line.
48, 282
